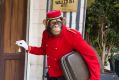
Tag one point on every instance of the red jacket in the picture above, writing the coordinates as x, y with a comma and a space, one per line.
56, 47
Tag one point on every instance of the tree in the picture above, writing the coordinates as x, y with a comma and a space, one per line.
102, 27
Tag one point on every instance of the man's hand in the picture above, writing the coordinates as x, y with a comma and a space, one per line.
22, 43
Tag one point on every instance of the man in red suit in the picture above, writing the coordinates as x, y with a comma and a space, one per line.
57, 41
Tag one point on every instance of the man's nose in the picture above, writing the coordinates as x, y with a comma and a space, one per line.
56, 25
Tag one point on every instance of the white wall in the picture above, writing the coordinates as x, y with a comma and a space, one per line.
37, 14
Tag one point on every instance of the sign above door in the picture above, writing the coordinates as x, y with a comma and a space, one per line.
65, 5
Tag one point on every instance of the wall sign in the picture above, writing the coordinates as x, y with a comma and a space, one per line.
65, 5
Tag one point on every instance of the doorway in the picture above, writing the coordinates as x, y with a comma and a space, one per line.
12, 28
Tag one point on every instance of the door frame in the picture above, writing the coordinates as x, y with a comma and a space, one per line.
1, 24
27, 40
1, 39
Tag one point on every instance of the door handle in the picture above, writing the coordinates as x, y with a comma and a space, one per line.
19, 50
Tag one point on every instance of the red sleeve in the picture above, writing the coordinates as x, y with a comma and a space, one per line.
39, 50
89, 56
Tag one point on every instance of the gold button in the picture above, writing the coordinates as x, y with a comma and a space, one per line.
55, 59
56, 48
46, 45
49, 66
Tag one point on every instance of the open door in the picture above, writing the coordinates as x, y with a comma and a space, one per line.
12, 28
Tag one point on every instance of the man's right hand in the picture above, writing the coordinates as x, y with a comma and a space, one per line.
22, 43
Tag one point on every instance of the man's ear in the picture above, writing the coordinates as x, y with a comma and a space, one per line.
64, 20
45, 22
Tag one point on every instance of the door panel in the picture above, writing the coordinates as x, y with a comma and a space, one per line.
12, 69
13, 24
13, 28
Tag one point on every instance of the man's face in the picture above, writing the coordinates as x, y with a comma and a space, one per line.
55, 26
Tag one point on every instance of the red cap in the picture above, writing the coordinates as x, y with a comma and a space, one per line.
53, 14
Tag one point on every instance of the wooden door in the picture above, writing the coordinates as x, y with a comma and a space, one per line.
12, 28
